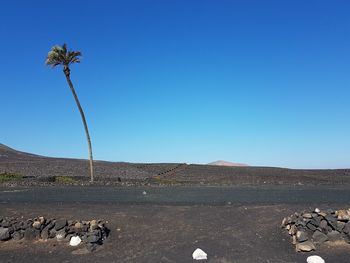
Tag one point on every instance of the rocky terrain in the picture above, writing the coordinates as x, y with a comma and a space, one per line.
311, 229
92, 233
35, 168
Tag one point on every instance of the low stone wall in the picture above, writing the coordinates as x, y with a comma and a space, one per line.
92, 233
309, 229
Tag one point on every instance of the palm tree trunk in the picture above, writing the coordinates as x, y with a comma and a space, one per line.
67, 74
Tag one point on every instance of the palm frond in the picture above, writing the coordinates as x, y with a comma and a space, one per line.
60, 55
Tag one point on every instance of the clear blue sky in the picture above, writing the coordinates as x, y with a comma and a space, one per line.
259, 82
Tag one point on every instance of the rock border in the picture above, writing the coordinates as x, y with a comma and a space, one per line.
92, 233
310, 229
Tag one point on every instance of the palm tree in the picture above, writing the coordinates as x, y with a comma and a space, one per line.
60, 55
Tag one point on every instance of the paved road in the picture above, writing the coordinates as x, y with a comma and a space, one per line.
177, 195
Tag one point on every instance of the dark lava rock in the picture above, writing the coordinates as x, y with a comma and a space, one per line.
60, 223
91, 247
311, 226
330, 218
31, 233
318, 237
4, 233
323, 224
334, 235
346, 228
45, 233
52, 233
92, 238
340, 226
302, 236
18, 235
93, 225
330, 211
305, 246
300, 223
5, 223
347, 239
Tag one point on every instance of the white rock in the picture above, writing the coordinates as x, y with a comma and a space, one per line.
315, 259
59, 237
317, 210
144, 193
74, 241
199, 254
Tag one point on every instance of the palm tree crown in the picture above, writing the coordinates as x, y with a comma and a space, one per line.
60, 55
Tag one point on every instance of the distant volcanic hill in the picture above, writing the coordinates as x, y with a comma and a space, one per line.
225, 163
9, 154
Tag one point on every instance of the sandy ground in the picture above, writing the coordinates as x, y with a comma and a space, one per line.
162, 233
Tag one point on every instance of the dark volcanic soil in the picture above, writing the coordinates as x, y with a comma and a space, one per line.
153, 233
235, 233
43, 169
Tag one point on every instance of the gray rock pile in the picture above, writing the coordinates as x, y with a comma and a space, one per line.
92, 233
309, 229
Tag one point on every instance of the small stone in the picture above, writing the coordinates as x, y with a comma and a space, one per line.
311, 226
5, 224
318, 237
44, 234
315, 259
4, 233
61, 235
71, 230
300, 223
144, 192
52, 233
31, 233
36, 224
284, 222
93, 225
60, 223
28, 223
317, 210
78, 226
323, 214
305, 246
93, 238
343, 215
301, 236
346, 228
199, 254
334, 236
330, 218
307, 215
18, 235
340, 226
323, 224
74, 241
42, 220
292, 231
